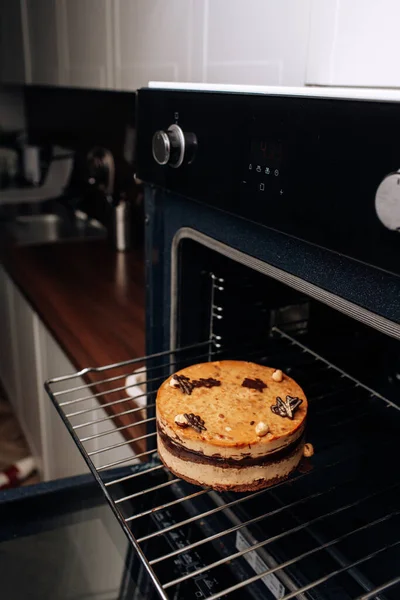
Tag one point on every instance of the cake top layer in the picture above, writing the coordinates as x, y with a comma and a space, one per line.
231, 403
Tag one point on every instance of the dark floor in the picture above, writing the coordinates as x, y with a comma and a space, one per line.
13, 445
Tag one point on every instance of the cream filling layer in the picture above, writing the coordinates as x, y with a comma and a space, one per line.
253, 450
211, 475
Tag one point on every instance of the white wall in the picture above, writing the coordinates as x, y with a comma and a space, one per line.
354, 43
218, 41
12, 116
255, 42
123, 44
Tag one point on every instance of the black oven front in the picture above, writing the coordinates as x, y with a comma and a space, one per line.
266, 240
300, 274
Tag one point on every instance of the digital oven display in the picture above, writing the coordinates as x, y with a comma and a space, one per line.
266, 152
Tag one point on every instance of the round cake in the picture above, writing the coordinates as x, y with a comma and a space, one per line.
231, 425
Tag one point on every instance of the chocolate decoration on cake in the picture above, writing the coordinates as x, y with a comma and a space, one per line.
286, 408
195, 421
255, 384
187, 386
184, 384
208, 382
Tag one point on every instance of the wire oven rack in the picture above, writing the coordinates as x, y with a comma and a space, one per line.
351, 520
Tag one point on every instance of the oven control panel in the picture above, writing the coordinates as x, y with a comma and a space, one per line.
314, 168
173, 147
265, 169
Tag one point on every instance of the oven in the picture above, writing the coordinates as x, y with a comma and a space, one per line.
272, 235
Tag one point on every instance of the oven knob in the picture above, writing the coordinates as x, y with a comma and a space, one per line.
173, 147
387, 201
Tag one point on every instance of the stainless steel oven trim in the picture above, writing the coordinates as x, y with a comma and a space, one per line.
342, 305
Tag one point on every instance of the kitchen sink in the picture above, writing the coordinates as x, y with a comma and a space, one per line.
48, 227
36, 228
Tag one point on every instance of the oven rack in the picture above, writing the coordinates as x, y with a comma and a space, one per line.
130, 509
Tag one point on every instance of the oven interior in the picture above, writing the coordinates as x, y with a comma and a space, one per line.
239, 309
332, 530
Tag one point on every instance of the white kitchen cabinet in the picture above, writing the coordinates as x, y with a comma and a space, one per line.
123, 44
63, 457
21, 368
42, 59
29, 356
67, 42
219, 41
354, 43
27, 374
152, 40
56, 42
7, 339
86, 50
12, 60
258, 42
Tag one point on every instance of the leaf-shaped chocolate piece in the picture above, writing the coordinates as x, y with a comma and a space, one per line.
195, 421
286, 408
185, 385
255, 384
208, 382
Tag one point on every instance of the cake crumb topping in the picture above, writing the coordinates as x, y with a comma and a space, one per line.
262, 429
173, 382
255, 384
181, 421
187, 386
308, 450
277, 375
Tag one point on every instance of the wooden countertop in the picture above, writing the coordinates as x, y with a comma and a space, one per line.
91, 299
